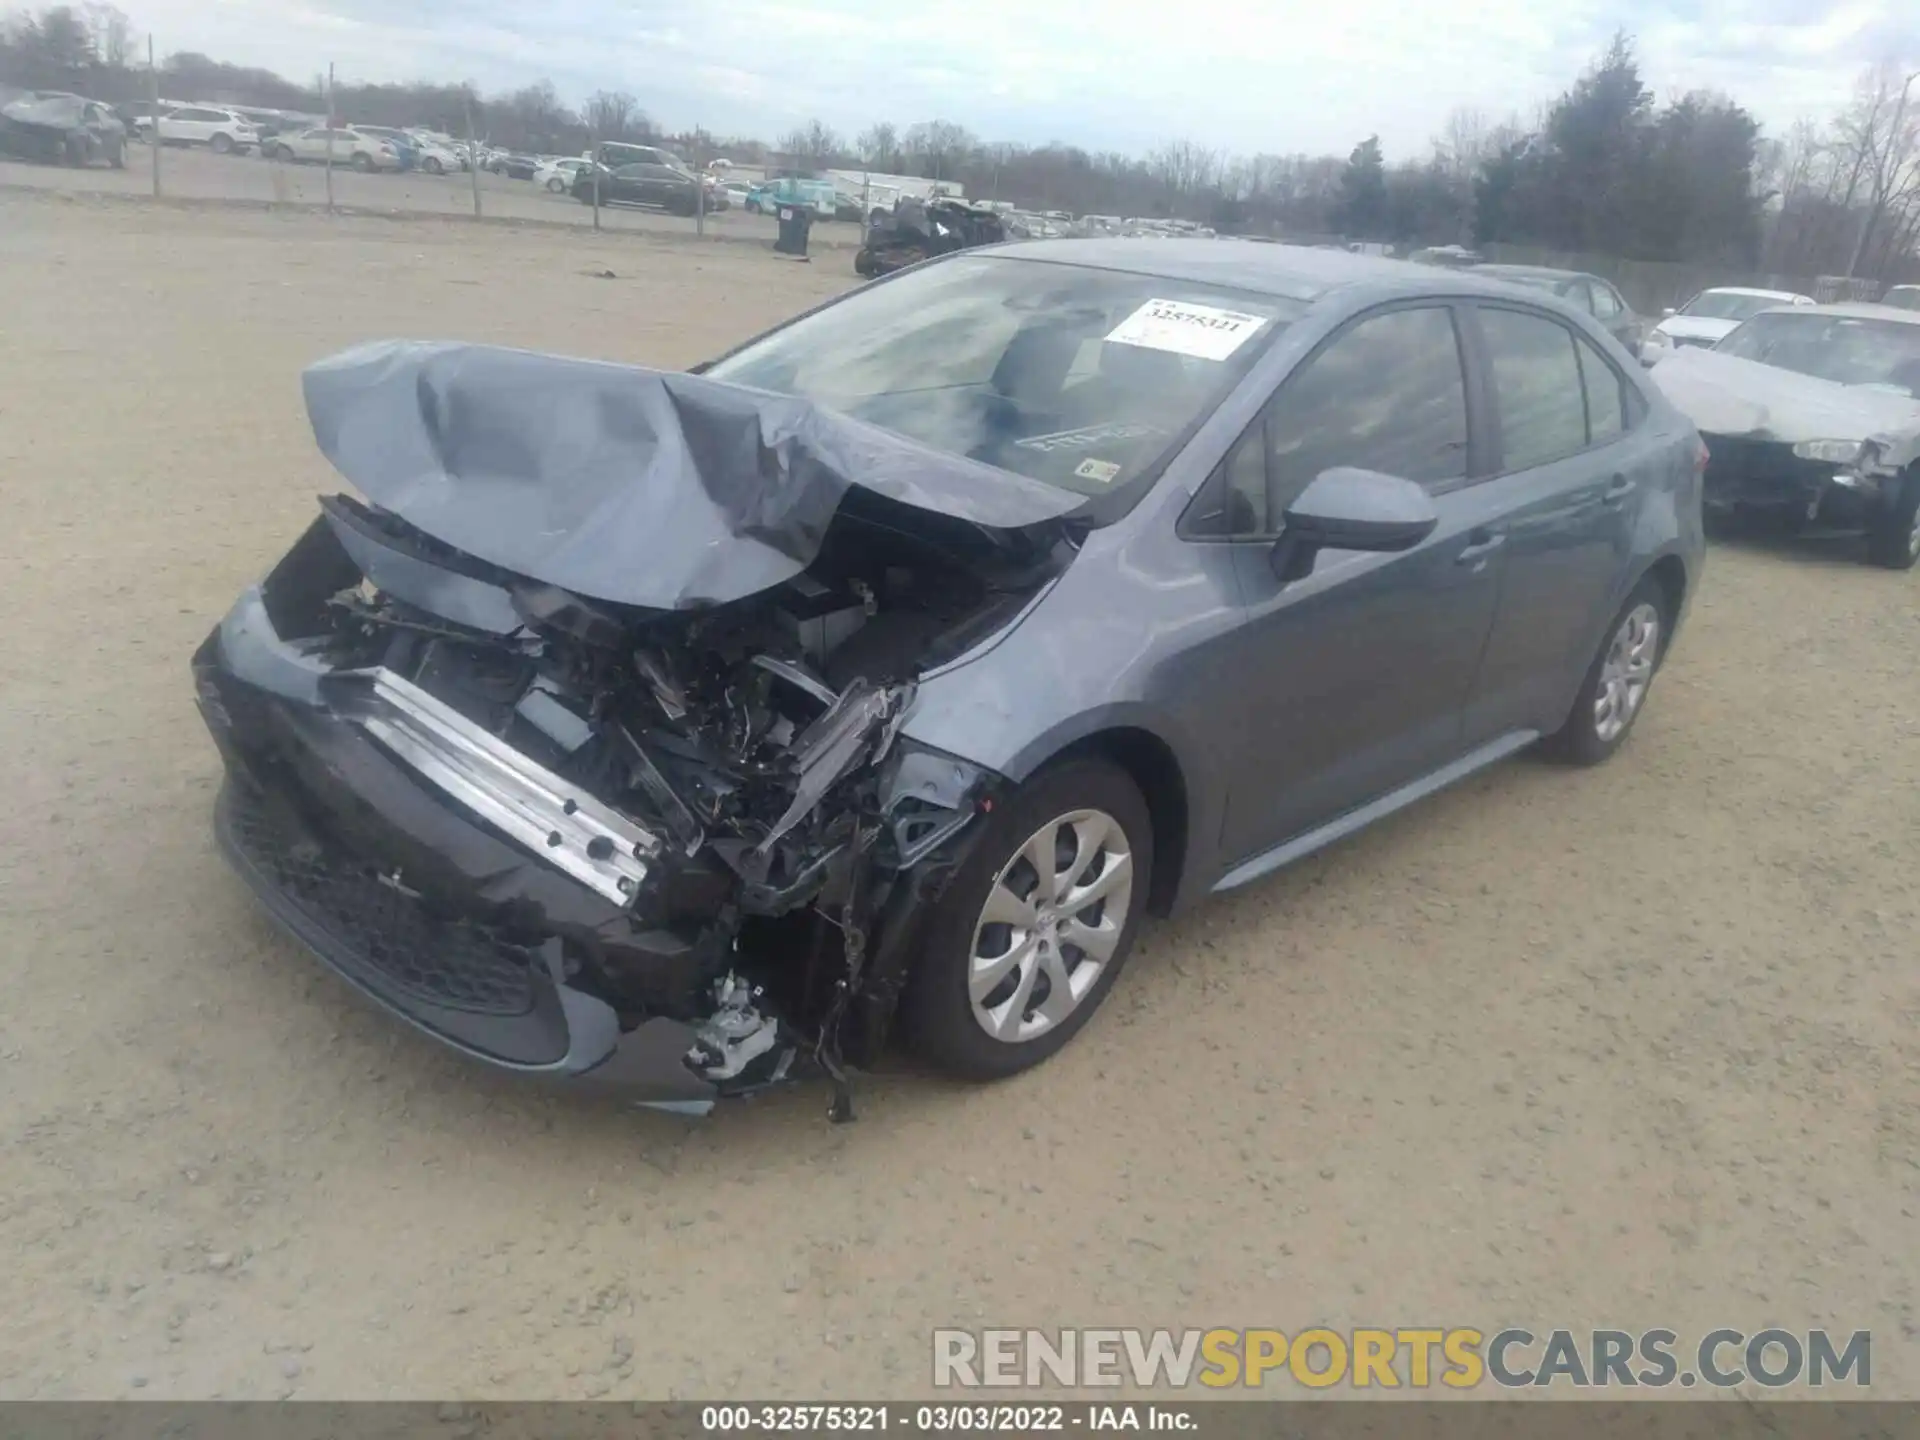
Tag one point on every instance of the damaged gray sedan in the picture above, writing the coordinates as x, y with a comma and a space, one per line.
683, 732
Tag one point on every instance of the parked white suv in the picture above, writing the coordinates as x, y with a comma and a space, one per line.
350, 147
225, 131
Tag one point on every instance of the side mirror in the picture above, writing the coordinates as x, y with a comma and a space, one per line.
1351, 509
1668, 313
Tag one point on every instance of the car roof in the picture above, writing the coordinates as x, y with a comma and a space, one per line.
1291, 272
1544, 272
1862, 310
1748, 290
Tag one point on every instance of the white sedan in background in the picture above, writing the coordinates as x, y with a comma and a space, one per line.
558, 175
1710, 317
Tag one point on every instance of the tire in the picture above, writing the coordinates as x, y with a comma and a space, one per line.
1592, 734
1070, 800
1893, 540
433, 166
362, 161
282, 153
556, 185
221, 144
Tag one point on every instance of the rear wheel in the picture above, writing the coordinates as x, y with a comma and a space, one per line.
1893, 540
221, 144
1034, 928
556, 185
1617, 683
362, 160
433, 166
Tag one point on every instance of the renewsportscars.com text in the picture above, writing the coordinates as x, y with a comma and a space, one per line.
1413, 1358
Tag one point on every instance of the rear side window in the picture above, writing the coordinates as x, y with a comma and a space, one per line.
1606, 401
1606, 304
1537, 387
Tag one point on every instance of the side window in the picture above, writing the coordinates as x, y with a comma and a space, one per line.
1536, 386
1606, 304
1388, 394
1576, 294
1606, 404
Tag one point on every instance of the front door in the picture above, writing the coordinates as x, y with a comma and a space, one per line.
1352, 681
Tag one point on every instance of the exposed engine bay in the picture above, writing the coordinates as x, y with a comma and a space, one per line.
728, 782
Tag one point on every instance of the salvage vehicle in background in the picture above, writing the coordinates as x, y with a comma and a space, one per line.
672, 190
915, 230
225, 132
677, 731
558, 175
1812, 416
1711, 316
343, 145
62, 129
1588, 293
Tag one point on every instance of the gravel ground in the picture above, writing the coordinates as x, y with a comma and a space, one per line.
1631, 1047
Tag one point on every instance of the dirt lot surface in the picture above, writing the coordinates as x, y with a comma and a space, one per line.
1633, 1046
199, 175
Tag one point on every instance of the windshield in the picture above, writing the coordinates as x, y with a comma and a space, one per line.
1846, 349
1082, 378
1724, 305
1904, 297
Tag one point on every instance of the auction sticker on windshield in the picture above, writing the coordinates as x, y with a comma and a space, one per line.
1202, 331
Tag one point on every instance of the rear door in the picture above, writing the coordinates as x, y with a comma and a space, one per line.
1570, 468
1352, 681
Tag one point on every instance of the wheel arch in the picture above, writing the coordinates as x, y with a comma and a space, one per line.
1152, 765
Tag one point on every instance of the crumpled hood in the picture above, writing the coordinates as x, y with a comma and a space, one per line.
1726, 395
641, 487
1696, 327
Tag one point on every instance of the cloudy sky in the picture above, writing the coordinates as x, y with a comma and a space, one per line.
1121, 74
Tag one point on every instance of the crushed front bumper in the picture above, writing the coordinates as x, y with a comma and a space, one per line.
346, 809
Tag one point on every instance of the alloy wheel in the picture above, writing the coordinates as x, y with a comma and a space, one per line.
1051, 923
1627, 671
1913, 535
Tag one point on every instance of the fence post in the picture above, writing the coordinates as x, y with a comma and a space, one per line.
473, 153
699, 188
593, 158
329, 137
153, 96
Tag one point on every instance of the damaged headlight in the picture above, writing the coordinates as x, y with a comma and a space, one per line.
1831, 452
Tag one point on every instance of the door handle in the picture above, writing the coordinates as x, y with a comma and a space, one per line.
1480, 544
1615, 495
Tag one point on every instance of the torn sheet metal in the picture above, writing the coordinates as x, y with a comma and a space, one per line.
639, 487
1727, 395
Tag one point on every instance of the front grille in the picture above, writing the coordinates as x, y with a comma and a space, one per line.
381, 933
1762, 471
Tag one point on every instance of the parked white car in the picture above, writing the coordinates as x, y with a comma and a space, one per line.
350, 147
224, 131
1711, 316
558, 175
436, 157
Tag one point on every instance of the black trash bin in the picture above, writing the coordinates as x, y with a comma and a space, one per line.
795, 221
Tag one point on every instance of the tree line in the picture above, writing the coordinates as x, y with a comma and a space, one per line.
1602, 169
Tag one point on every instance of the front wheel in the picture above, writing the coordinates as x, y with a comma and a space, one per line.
362, 161
1893, 540
556, 185
1034, 928
1615, 690
433, 166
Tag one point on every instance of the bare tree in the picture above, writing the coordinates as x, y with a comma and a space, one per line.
879, 146
1879, 138
615, 115
112, 32
1184, 169
813, 144
938, 147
